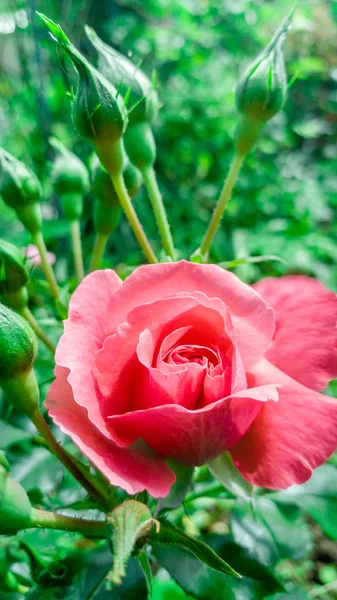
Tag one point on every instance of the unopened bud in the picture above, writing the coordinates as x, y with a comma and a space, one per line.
99, 112
70, 180
107, 211
14, 276
18, 348
140, 145
20, 189
15, 507
136, 88
261, 92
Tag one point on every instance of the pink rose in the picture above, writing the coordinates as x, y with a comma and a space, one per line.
185, 361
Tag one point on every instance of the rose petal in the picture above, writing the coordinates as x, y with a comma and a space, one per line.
123, 380
304, 344
133, 469
83, 335
253, 320
193, 437
290, 438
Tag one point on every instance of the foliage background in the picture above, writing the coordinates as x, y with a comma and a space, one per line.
285, 201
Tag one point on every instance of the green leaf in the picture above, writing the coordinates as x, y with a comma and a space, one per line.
317, 497
85, 578
169, 535
10, 435
202, 582
225, 471
179, 489
168, 590
270, 533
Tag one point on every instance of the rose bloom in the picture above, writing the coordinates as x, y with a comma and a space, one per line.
184, 361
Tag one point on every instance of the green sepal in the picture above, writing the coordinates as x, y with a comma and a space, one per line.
169, 535
140, 145
130, 525
179, 489
225, 471
21, 190
132, 83
15, 507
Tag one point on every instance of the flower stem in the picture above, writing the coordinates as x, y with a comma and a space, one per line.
28, 315
52, 520
158, 207
131, 215
85, 479
99, 248
48, 271
221, 204
75, 231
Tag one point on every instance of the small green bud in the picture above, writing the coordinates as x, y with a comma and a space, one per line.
134, 85
262, 90
18, 345
70, 180
15, 507
20, 189
140, 145
99, 112
107, 211
13, 269
18, 349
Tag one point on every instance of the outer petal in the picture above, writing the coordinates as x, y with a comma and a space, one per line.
133, 469
304, 344
290, 438
253, 320
193, 436
84, 335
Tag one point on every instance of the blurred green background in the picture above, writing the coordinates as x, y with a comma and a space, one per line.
284, 204
285, 201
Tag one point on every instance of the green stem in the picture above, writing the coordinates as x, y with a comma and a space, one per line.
86, 480
221, 204
99, 248
52, 520
131, 215
75, 231
48, 271
158, 207
28, 315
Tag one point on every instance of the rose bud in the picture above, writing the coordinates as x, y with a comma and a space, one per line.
18, 348
14, 276
15, 507
99, 112
261, 92
107, 206
70, 180
20, 189
127, 77
142, 99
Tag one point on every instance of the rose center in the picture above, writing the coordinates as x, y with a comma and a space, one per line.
202, 355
